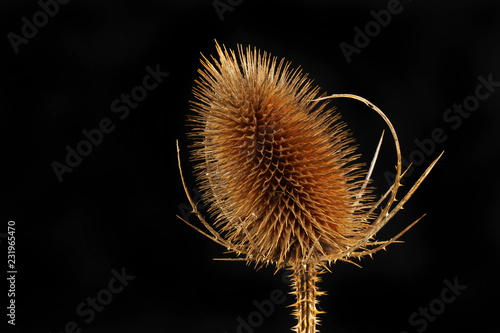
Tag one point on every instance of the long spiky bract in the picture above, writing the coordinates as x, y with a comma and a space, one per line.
280, 172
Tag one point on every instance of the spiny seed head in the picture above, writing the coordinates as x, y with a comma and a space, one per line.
278, 169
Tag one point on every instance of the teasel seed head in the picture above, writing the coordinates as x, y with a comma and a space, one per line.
278, 169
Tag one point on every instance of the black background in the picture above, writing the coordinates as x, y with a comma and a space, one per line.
117, 208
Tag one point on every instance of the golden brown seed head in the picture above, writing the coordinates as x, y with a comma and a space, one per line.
277, 168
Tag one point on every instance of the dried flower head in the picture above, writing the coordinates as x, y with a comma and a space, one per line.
280, 172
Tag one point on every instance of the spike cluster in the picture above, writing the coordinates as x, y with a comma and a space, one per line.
277, 168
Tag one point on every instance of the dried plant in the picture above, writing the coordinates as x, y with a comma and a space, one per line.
281, 175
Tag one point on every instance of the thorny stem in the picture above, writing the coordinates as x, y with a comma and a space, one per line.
304, 284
